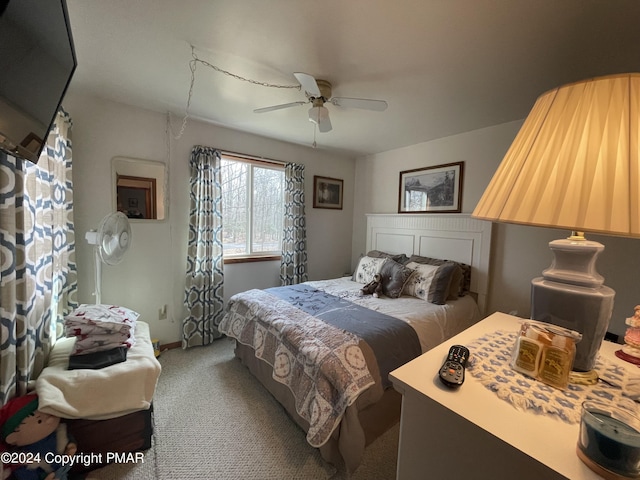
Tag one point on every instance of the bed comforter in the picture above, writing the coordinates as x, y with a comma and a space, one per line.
313, 342
354, 415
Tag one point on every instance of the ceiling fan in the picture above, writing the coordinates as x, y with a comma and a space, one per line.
318, 93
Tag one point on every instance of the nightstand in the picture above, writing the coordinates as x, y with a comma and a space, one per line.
472, 433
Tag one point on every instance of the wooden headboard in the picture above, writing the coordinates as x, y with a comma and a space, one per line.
455, 237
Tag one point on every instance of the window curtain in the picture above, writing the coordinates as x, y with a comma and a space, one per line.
293, 266
204, 286
38, 284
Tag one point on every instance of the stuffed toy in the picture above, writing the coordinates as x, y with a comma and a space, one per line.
36, 437
373, 287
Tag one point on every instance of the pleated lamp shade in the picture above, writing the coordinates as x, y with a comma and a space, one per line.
575, 162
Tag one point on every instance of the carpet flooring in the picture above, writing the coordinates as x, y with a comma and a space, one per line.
213, 420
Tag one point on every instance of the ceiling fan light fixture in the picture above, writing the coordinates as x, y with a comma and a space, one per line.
318, 115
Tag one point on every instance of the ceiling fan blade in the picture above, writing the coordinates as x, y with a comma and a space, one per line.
324, 125
364, 103
308, 83
278, 107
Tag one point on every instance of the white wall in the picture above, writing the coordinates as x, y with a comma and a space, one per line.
519, 253
153, 271
378, 176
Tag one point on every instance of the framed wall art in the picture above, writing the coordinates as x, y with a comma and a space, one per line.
327, 192
435, 189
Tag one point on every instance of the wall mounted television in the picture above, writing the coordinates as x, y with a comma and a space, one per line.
37, 61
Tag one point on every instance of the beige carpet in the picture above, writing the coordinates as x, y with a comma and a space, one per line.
213, 420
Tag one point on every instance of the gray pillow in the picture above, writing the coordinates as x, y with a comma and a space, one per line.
431, 282
394, 277
439, 292
396, 257
463, 287
456, 284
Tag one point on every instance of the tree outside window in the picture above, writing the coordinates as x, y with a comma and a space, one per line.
252, 207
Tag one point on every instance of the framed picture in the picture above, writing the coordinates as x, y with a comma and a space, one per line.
432, 189
327, 192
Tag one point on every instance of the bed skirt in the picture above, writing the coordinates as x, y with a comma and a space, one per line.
363, 422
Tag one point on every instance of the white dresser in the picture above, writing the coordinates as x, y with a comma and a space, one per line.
470, 433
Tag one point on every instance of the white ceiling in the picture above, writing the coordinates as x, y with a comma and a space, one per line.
443, 66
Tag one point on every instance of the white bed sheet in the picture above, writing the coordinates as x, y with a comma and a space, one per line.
433, 323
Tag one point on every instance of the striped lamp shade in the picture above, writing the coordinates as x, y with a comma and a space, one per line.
575, 162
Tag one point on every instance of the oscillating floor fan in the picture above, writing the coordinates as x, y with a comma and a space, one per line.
111, 240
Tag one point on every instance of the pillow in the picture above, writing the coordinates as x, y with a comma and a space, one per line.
456, 284
394, 278
420, 282
400, 257
367, 268
465, 284
430, 282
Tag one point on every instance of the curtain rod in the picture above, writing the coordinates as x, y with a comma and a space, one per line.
252, 157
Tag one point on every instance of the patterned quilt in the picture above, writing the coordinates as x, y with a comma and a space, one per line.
322, 365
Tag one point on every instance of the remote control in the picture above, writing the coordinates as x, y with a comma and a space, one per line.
452, 371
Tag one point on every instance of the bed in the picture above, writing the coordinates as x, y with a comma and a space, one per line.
324, 351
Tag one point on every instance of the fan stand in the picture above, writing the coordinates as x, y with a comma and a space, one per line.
92, 238
110, 241
98, 286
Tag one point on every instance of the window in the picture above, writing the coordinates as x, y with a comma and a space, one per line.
252, 208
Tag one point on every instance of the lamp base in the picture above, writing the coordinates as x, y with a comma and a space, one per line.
571, 294
583, 309
574, 262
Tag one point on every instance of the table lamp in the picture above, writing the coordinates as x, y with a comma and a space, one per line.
574, 165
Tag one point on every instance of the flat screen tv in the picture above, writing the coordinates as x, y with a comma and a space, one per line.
37, 61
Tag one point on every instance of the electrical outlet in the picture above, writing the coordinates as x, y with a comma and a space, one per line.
162, 312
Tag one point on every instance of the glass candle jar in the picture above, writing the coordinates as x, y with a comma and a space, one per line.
609, 441
545, 352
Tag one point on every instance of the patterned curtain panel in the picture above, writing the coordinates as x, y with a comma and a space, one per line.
204, 286
37, 242
293, 267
